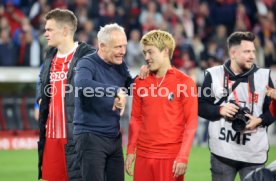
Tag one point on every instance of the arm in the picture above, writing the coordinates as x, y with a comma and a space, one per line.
190, 105
85, 71
129, 80
267, 117
38, 87
206, 107
134, 128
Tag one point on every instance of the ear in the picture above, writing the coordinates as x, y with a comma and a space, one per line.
66, 31
232, 53
102, 45
166, 50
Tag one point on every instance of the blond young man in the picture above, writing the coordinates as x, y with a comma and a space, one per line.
164, 117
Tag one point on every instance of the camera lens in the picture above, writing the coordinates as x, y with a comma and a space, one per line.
238, 125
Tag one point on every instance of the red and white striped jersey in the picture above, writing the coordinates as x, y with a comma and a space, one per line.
56, 122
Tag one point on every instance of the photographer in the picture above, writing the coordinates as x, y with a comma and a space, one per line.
233, 98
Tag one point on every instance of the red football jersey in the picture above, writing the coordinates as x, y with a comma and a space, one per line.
56, 127
164, 116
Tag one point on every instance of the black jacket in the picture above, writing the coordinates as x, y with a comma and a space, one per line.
72, 167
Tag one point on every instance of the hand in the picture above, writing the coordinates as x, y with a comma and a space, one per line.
253, 122
120, 102
270, 92
228, 110
179, 169
36, 114
144, 72
129, 160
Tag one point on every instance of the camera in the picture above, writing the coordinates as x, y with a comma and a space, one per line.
239, 120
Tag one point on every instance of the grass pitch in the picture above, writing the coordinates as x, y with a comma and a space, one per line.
21, 165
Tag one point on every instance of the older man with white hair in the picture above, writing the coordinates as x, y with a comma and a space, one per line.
99, 104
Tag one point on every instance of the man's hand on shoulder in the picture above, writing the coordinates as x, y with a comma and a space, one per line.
144, 72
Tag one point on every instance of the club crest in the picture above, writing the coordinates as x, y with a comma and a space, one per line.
171, 96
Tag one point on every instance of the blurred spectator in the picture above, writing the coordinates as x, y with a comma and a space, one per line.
269, 53
203, 22
150, 18
220, 38
267, 30
38, 9
187, 22
16, 3
89, 29
7, 49
242, 20
110, 15
194, 24
169, 15
223, 13
134, 10
260, 60
62, 4
28, 45
261, 7
4, 24
134, 57
198, 47
82, 16
14, 16
209, 51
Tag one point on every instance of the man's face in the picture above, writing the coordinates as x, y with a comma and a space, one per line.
115, 50
53, 33
244, 55
154, 57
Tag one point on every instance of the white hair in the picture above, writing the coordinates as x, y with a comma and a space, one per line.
104, 34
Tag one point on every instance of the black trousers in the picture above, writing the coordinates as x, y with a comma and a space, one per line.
101, 158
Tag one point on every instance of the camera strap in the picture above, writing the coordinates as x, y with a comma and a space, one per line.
251, 91
251, 87
225, 85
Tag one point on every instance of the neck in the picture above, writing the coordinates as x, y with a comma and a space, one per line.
163, 70
65, 47
235, 68
101, 55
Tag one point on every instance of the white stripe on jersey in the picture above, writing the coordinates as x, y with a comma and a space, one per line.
62, 98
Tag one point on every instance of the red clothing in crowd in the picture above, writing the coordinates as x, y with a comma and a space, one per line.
164, 117
54, 164
272, 108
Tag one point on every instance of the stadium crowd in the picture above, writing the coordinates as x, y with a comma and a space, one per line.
199, 26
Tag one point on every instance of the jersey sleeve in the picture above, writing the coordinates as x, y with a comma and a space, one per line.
190, 105
135, 120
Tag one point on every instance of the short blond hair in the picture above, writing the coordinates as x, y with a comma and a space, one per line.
160, 39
